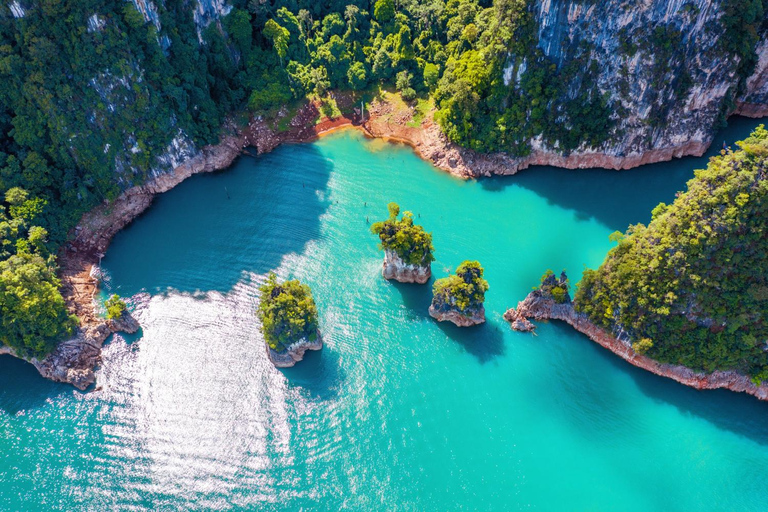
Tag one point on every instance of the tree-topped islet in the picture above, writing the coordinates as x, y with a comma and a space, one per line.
408, 250
289, 322
459, 298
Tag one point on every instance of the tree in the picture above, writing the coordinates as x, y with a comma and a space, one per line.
431, 75
463, 292
279, 37
287, 312
410, 242
357, 77
115, 307
384, 10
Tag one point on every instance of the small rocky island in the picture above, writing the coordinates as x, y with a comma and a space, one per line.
407, 248
288, 317
459, 298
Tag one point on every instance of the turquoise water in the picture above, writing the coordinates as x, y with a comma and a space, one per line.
397, 412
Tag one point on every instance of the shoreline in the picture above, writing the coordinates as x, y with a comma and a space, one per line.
537, 307
75, 359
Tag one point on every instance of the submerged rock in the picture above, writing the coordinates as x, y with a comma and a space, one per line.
295, 352
395, 268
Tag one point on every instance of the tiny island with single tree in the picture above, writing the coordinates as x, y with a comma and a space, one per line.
459, 298
288, 317
407, 247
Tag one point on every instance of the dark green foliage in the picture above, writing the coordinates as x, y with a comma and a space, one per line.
287, 312
115, 307
558, 288
691, 287
410, 242
742, 20
463, 292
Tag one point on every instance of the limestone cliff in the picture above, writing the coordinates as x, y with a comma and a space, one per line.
395, 268
664, 66
295, 352
461, 319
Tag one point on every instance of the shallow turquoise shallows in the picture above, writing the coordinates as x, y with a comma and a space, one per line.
397, 412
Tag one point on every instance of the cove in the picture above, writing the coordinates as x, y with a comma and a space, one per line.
397, 412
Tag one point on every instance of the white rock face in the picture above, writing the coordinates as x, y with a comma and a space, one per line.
632, 80
16, 9
395, 268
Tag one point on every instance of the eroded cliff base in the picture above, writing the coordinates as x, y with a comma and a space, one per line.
475, 317
395, 268
294, 353
541, 306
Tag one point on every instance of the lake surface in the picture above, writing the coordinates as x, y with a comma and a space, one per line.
397, 412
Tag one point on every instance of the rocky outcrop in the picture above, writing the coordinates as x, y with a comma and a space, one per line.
395, 268
295, 352
461, 319
518, 322
540, 306
74, 360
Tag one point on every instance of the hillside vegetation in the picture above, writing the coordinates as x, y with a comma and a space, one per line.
691, 288
94, 98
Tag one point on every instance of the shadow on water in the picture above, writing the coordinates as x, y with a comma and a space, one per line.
210, 229
319, 374
484, 341
619, 198
22, 388
739, 413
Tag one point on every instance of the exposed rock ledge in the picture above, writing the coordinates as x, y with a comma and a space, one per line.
395, 268
539, 307
475, 318
74, 360
294, 353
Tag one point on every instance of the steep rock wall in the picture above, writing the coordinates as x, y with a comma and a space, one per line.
663, 65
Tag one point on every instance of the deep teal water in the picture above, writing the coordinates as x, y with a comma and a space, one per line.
397, 412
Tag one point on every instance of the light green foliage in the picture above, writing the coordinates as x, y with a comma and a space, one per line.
409, 241
33, 316
279, 37
463, 292
642, 346
115, 307
287, 312
694, 280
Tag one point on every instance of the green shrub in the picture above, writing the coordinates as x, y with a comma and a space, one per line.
463, 292
115, 307
409, 241
287, 312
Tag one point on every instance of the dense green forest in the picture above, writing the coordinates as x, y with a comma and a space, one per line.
691, 288
91, 94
